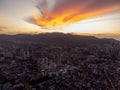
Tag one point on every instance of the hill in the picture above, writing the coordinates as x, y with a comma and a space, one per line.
55, 39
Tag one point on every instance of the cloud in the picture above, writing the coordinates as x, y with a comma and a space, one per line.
63, 12
2, 27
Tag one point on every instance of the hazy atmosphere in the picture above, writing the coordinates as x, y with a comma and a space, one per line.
67, 16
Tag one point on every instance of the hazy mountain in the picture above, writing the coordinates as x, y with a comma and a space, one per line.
55, 39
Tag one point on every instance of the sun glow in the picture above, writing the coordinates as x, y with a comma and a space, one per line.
101, 24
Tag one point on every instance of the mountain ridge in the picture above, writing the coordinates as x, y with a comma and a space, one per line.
55, 39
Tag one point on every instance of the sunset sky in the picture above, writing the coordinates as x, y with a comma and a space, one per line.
67, 16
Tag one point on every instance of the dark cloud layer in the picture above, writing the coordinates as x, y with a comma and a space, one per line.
88, 4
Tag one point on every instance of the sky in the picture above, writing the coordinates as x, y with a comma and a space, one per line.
67, 16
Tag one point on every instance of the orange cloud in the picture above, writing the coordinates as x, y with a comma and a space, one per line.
69, 11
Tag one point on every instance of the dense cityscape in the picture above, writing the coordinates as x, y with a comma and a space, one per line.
60, 67
59, 44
